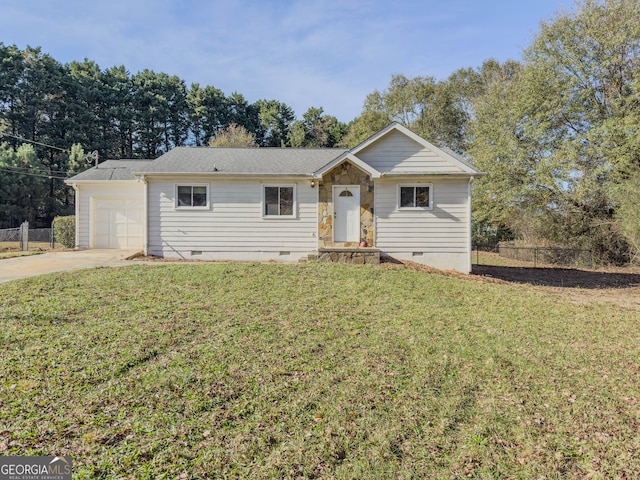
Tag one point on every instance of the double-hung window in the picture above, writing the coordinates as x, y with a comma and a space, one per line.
192, 196
415, 196
278, 201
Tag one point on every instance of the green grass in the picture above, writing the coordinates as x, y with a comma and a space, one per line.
17, 254
315, 371
33, 246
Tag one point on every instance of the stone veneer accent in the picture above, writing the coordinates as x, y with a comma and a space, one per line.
344, 174
356, 256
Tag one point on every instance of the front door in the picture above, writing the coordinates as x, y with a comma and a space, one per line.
346, 213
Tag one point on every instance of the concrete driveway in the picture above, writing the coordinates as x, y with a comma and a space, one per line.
33, 265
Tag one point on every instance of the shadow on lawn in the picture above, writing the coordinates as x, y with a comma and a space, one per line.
560, 277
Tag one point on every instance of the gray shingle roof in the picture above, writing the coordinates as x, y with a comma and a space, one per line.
231, 161
242, 161
112, 170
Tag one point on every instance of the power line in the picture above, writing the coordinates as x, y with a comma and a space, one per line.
51, 173
43, 169
32, 174
33, 141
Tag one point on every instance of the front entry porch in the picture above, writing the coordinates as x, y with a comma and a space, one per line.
345, 208
356, 256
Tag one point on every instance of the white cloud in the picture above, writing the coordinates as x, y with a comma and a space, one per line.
328, 53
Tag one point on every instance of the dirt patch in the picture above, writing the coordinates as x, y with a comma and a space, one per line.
561, 277
618, 285
390, 262
628, 298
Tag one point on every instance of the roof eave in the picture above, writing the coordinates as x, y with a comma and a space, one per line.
348, 156
433, 174
71, 181
221, 174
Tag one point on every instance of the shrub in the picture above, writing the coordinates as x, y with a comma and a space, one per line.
64, 230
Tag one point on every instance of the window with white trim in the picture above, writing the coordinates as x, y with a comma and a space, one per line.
278, 200
192, 196
418, 196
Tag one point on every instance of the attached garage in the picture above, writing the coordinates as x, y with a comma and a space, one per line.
110, 206
117, 223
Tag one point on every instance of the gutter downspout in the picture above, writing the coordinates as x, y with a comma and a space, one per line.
145, 220
77, 213
470, 228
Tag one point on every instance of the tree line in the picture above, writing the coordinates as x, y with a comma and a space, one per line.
143, 115
51, 107
558, 134
556, 131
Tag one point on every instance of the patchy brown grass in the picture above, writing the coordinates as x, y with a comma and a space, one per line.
33, 246
620, 285
317, 371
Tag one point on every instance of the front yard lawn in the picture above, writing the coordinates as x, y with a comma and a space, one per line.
316, 371
18, 254
38, 247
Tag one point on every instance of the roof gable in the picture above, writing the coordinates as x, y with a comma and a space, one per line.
397, 150
348, 156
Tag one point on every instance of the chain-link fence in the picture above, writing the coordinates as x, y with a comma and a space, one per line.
40, 235
10, 235
568, 257
15, 238
532, 255
23, 238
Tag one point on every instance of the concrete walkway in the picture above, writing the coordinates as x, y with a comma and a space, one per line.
33, 265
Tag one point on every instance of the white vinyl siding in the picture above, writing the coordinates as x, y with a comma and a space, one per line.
442, 230
89, 193
397, 153
233, 227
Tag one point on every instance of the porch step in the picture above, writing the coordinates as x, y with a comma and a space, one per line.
356, 255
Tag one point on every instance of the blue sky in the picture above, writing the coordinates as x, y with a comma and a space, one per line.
321, 53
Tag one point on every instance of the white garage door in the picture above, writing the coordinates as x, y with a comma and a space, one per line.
117, 223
